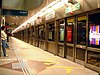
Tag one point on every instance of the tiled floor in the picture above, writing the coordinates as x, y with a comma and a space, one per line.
25, 59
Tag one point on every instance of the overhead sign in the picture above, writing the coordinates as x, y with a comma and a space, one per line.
14, 12
74, 7
50, 15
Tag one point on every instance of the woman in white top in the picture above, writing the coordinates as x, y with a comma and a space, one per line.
3, 38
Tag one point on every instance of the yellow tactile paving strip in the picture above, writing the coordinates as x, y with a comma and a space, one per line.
39, 62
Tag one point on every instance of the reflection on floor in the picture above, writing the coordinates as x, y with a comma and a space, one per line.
25, 59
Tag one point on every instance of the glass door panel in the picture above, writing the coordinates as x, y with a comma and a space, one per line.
51, 32
69, 30
81, 30
94, 30
61, 31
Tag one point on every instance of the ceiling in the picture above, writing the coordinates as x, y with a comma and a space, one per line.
21, 4
29, 5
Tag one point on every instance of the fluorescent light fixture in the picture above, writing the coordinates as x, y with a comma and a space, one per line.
49, 10
64, 1
57, 6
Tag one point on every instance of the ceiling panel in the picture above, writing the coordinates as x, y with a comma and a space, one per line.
13, 4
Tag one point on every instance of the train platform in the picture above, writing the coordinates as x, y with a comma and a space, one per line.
25, 59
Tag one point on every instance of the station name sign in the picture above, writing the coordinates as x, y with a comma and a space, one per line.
74, 7
14, 12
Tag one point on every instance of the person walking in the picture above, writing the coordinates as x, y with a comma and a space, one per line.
3, 38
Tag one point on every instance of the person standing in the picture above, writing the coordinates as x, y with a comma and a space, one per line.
3, 38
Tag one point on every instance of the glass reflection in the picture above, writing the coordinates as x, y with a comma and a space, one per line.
94, 58
70, 32
81, 32
61, 31
51, 31
41, 32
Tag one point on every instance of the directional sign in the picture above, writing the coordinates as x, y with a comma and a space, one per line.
14, 12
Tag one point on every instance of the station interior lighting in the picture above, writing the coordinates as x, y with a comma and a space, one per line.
49, 8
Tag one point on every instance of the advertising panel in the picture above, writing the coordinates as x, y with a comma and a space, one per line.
69, 34
94, 35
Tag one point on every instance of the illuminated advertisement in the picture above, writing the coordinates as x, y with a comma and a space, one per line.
94, 35
69, 34
61, 34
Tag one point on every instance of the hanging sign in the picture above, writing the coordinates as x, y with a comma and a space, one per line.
73, 8
14, 12
50, 15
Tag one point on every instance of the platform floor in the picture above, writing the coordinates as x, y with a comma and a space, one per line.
25, 59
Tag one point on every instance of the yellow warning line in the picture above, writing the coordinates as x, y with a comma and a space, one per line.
67, 68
